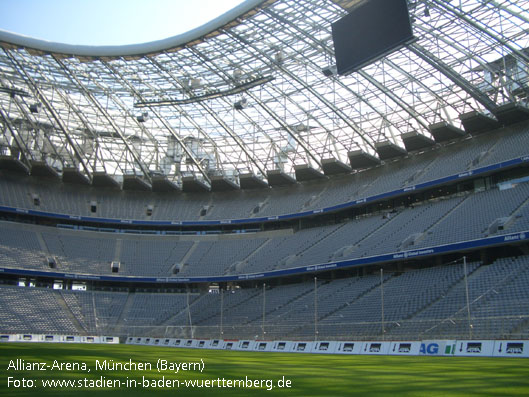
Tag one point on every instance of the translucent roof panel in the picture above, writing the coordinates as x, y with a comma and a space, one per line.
259, 92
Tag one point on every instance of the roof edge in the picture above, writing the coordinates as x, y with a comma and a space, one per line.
151, 47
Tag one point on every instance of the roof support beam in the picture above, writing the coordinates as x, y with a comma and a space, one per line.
317, 43
487, 32
109, 118
456, 78
23, 109
66, 99
484, 64
310, 89
23, 152
403, 105
199, 128
223, 124
49, 107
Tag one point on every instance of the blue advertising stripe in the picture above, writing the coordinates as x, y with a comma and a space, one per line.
351, 204
441, 249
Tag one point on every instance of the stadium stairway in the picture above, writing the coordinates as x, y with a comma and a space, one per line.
417, 174
357, 297
273, 311
454, 289
120, 324
428, 304
299, 255
427, 231
42, 243
259, 207
286, 315
361, 192
373, 288
229, 307
482, 156
358, 243
198, 314
491, 294
188, 255
182, 313
238, 267
458, 284
421, 234
68, 312
117, 250
169, 316
518, 212
253, 301
372, 247
314, 200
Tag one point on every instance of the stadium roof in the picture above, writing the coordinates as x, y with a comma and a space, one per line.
255, 92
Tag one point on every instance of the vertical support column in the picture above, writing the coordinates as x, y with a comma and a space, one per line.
264, 311
189, 315
221, 314
468, 302
382, 301
315, 308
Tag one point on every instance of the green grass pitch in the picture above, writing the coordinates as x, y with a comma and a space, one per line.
309, 374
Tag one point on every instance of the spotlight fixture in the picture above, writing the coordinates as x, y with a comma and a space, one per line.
142, 118
330, 71
35, 108
241, 104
